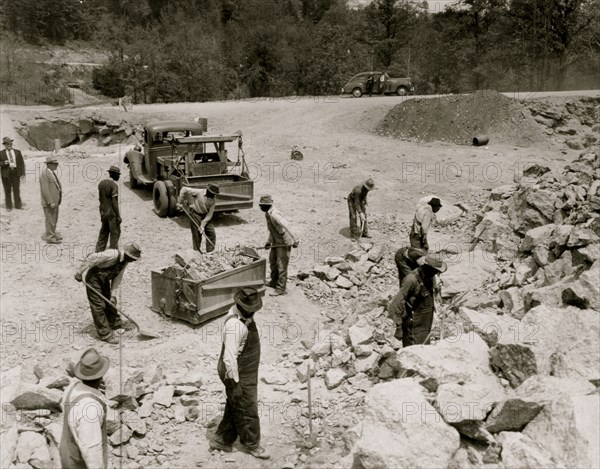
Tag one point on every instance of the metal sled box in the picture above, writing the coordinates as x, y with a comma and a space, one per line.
202, 300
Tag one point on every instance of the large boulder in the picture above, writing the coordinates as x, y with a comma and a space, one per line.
491, 327
42, 135
511, 415
493, 225
520, 451
539, 236
404, 432
462, 359
541, 389
32, 445
470, 401
564, 340
34, 397
568, 430
469, 272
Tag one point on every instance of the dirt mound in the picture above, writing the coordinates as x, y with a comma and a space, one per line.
458, 119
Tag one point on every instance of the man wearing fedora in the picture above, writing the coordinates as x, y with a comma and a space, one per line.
104, 273
12, 170
281, 241
412, 308
238, 370
357, 208
424, 217
110, 215
408, 259
83, 444
51, 191
202, 207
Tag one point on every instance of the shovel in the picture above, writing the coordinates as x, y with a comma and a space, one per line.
251, 252
197, 226
143, 333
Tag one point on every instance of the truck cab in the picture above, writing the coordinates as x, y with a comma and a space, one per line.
177, 154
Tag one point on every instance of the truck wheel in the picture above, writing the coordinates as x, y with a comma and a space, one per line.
161, 198
132, 180
172, 199
402, 91
357, 92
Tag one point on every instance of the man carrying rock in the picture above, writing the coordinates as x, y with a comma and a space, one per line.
51, 191
408, 259
412, 308
424, 217
281, 241
110, 216
357, 208
83, 443
12, 170
104, 274
238, 370
202, 209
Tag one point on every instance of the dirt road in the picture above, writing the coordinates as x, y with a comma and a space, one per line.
45, 316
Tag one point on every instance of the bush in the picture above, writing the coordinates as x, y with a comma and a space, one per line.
108, 79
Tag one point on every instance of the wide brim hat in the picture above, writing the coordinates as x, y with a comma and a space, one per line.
114, 169
435, 202
437, 264
266, 200
369, 184
213, 188
248, 299
7, 140
133, 250
91, 366
51, 159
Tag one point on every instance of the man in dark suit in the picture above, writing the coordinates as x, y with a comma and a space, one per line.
12, 169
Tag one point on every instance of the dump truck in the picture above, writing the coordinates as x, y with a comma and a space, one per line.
176, 154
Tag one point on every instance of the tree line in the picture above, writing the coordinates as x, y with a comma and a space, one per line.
199, 50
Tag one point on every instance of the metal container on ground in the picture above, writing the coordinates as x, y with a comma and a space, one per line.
198, 301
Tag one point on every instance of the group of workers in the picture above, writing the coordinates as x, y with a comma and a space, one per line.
84, 441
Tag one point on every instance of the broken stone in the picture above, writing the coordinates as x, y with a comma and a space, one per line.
120, 436
396, 434
164, 396
568, 430
474, 429
367, 364
363, 350
320, 349
113, 420
468, 276
517, 362
511, 415
302, 370
512, 302
541, 389
181, 390
354, 256
179, 413
334, 377
470, 401
33, 397
145, 409
492, 328
343, 282
32, 445
582, 236
189, 400
191, 413
519, 450
539, 236
360, 333
334, 260
376, 253
134, 422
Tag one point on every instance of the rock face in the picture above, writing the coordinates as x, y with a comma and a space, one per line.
568, 430
405, 432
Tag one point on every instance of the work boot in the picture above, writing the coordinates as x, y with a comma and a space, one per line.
366, 235
111, 339
259, 452
218, 445
272, 285
53, 241
277, 293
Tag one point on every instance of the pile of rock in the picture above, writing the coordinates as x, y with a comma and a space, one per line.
545, 230
32, 421
195, 266
455, 412
106, 127
575, 119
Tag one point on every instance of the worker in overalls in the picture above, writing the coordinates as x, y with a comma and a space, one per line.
407, 259
104, 273
238, 370
412, 308
83, 444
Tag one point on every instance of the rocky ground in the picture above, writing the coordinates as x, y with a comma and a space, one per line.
165, 395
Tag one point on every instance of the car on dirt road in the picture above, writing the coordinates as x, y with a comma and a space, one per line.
176, 154
357, 86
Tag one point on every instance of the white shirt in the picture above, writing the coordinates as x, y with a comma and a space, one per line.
85, 422
12, 161
234, 336
104, 260
424, 217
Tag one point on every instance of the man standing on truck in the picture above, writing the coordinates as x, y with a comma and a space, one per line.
357, 207
110, 216
202, 209
281, 241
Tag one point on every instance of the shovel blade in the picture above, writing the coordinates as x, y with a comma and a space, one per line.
249, 252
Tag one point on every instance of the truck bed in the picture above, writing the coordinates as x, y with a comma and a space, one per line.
236, 192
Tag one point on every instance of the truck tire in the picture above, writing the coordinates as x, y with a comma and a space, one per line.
357, 92
161, 198
402, 91
172, 199
133, 184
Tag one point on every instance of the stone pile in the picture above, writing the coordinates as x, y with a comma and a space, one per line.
545, 232
204, 266
146, 405
575, 120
